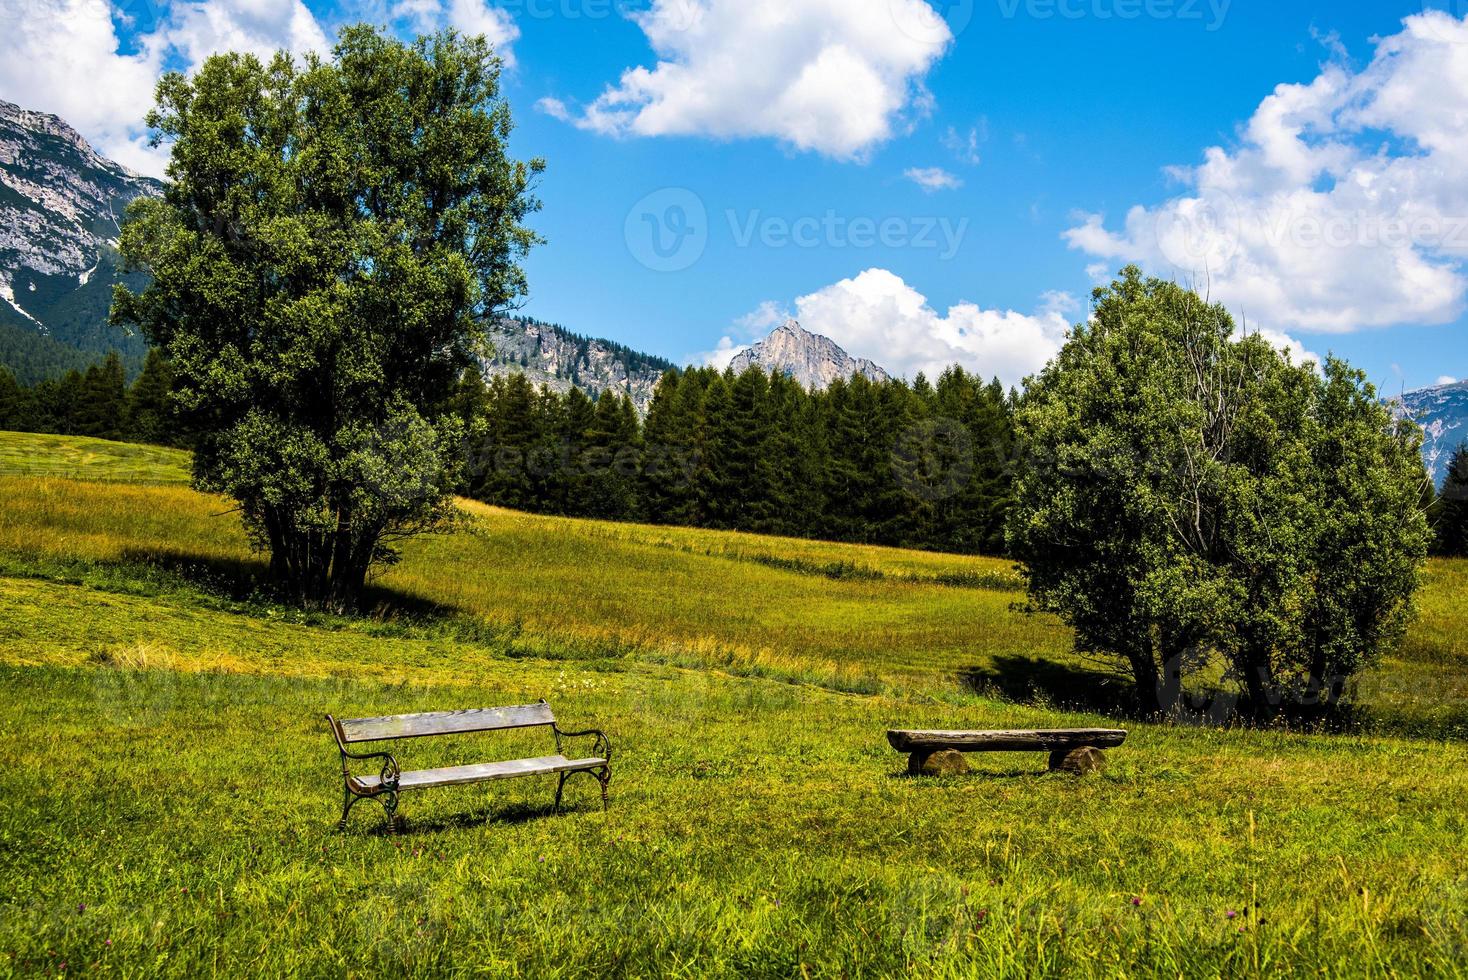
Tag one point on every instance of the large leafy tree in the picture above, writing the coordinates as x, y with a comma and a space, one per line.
1100, 521
1190, 494
332, 237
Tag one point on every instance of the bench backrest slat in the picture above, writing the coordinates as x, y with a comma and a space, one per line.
445, 722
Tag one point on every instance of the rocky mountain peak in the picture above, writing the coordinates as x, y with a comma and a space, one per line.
1442, 411
554, 357
61, 210
61, 202
44, 125
810, 358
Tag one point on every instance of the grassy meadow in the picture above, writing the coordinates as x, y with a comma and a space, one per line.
170, 791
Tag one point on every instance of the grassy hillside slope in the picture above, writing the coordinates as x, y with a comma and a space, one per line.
170, 789
38, 454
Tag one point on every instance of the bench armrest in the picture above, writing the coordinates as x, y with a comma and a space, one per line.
387, 777
602, 748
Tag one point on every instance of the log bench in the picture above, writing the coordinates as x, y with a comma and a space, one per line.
391, 780
1071, 749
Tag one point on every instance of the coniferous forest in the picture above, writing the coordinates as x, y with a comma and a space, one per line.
96, 402
923, 465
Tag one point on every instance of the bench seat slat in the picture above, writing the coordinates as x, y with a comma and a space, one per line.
1027, 740
483, 772
445, 722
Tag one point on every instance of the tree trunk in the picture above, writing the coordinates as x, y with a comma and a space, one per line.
1153, 698
1259, 681
320, 570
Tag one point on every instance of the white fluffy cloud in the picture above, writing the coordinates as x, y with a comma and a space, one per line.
876, 314
932, 179
62, 56
554, 108
721, 356
1297, 351
464, 16
1343, 206
66, 57
832, 76
260, 27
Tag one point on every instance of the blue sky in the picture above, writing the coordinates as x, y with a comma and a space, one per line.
924, 185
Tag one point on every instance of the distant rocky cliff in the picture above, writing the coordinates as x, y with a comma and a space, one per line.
554, 356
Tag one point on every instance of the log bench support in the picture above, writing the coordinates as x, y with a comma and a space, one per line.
1077, 750
391, 780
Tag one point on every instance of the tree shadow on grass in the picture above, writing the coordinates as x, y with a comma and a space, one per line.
1074, 687
229, 578
247, 580
1027, 680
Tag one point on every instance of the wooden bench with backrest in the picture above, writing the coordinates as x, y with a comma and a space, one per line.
1071, 749
391, 780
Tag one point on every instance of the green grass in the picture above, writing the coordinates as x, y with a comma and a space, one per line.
553, 585
32, 454
169, 788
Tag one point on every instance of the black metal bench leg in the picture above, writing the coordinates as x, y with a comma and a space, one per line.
560, 788
389, 803
604, 778
349, 799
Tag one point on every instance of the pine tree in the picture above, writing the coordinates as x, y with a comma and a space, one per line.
102, 401
893, 518
672, 449
58, 404
782, 475
501, 473
749, 484
717, 496
609, 460
844, 484
149, 417
628, 459
547, 456
1452, 527
12, 401
576, 422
